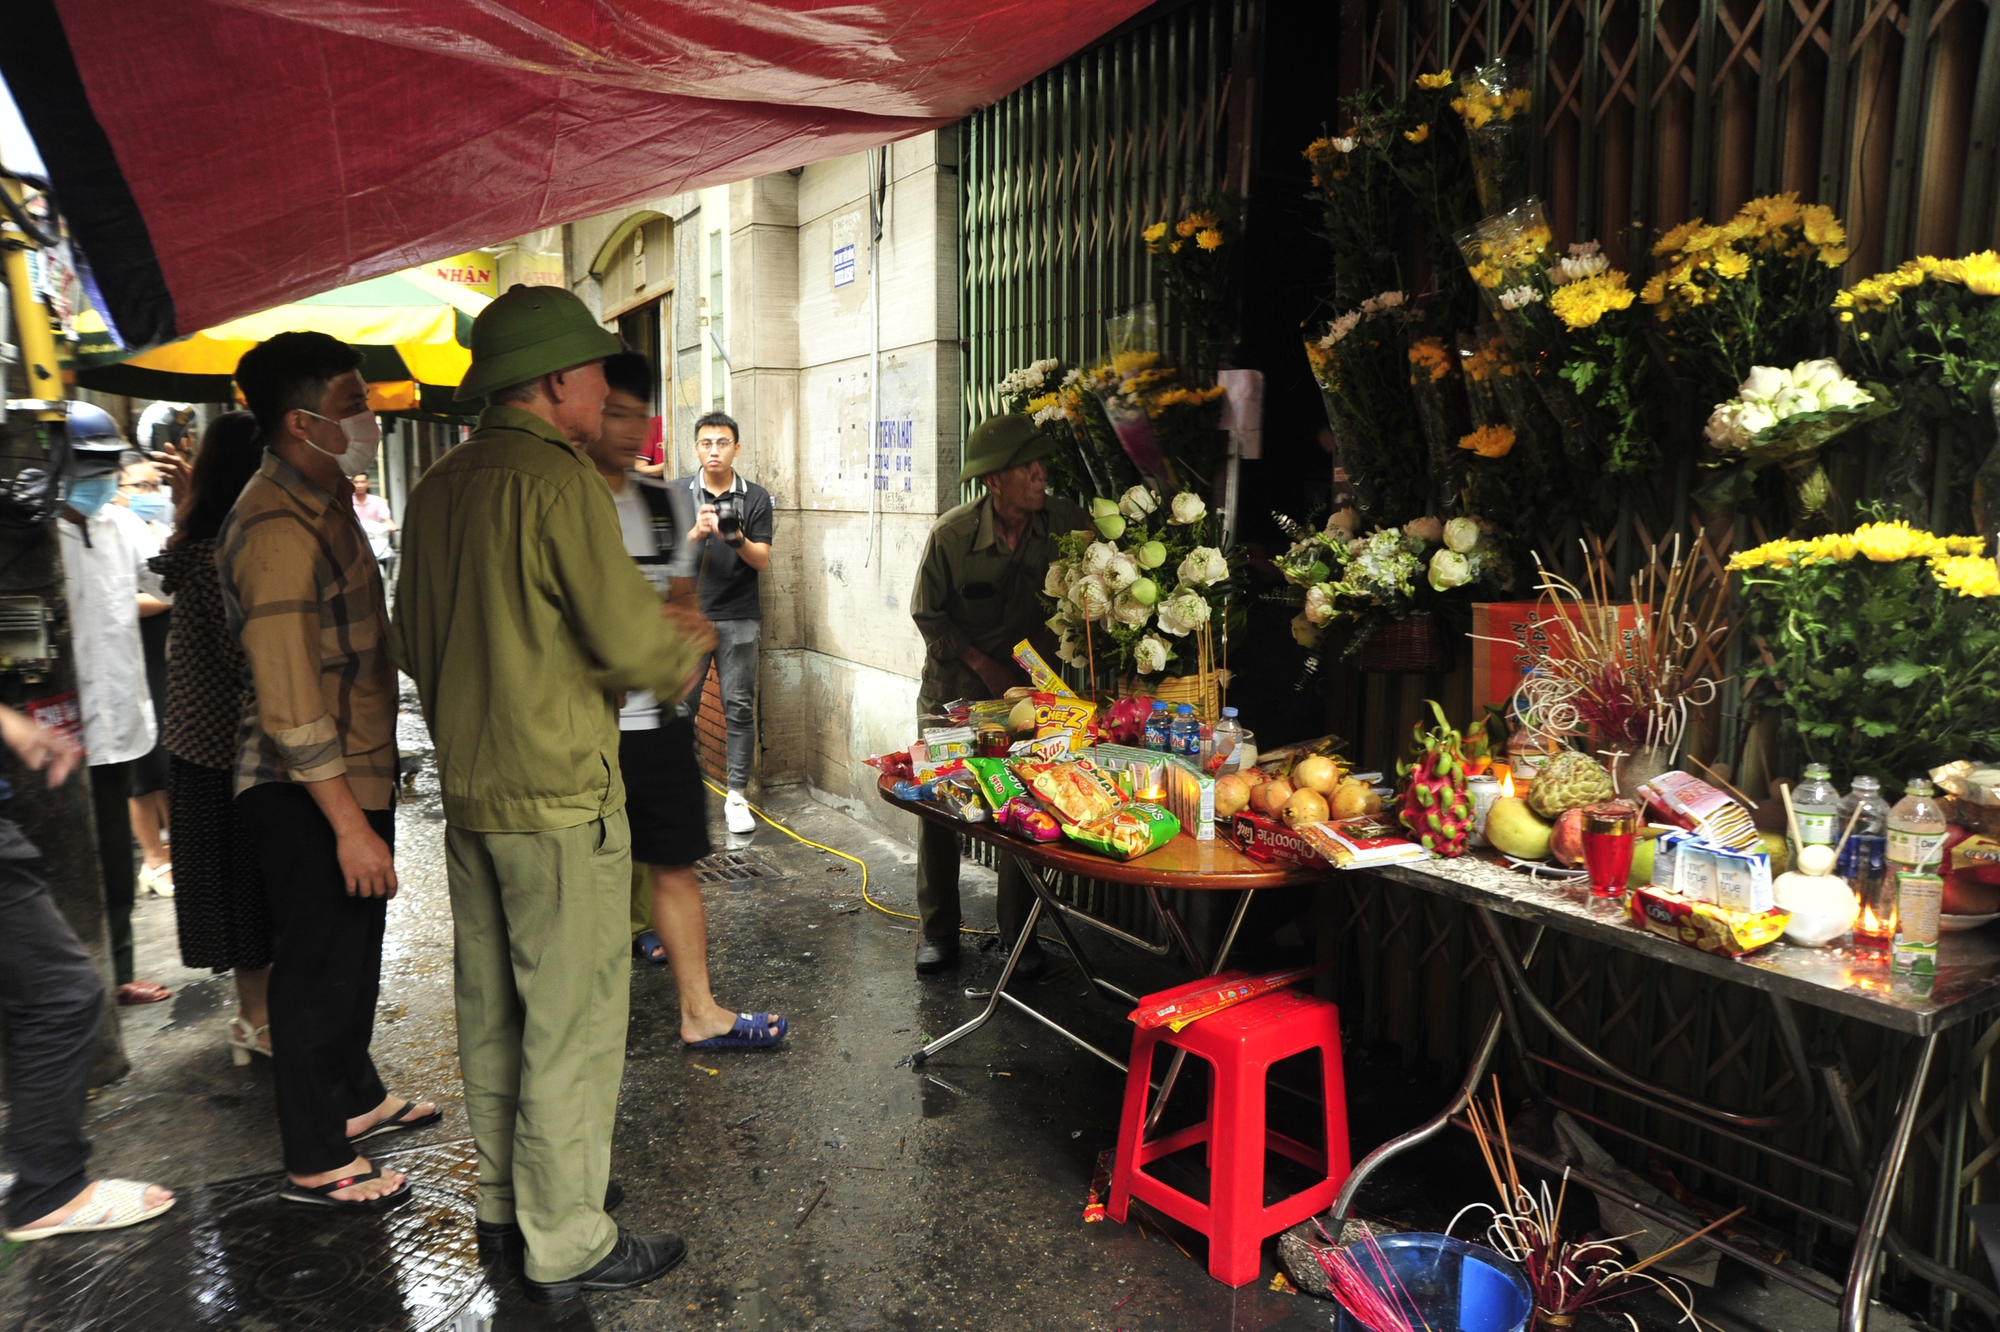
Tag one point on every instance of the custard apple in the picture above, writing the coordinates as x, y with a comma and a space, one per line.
1570, 780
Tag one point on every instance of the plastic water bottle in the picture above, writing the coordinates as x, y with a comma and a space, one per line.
1816, 802
1185, 738
1156, 728
1227, 733
1864, 860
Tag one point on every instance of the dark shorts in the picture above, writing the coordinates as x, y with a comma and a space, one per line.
665, 802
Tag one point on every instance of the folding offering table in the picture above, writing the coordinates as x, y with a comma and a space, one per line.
1966, 986
1184, 863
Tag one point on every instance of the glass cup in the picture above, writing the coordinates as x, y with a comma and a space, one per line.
1608, 831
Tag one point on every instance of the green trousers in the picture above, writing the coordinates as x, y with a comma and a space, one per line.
543, 979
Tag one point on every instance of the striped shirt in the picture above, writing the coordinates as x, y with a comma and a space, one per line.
304, 598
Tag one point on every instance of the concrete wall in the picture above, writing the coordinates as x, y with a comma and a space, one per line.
841, 657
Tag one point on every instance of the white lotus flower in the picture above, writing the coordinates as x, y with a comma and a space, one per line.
1516, 297
1753, 417
1461, 534
1057, 582
1188, 508
1149, 654
1449, 569
1846, 393
1127, 609
1204, 566
1793, 400
1815, 376
1138, 503
1070, 651
1097, 556
1319, 604
1090, 597
1183, 612
1764, 383
1426, 529
1123, 572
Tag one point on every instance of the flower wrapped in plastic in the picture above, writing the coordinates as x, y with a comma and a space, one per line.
1496, 104
1784, 418
1360, 362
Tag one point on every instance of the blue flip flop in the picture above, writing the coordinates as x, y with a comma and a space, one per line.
753, 1031
643, 946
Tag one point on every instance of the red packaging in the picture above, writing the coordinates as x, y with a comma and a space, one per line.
1270, 841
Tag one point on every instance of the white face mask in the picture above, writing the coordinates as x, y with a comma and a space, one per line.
364, 439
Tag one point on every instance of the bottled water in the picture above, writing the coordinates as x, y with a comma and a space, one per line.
1156, 728
1185, 738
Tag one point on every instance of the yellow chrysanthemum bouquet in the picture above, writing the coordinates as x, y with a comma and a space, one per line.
1572, 321
1128, 419
1751, 291
1929, 333
1879, 647
1496, 106
1193, 255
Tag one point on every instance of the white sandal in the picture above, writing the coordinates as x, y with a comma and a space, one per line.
114, 1204
158, 879
246, 1040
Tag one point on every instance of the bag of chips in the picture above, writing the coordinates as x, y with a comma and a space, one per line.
1075, 792
997, 781
1128, 833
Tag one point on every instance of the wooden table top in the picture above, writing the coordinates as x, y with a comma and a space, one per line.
1185, 862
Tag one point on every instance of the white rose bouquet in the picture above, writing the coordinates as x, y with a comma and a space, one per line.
1784, 418
1148, 581
1362, 580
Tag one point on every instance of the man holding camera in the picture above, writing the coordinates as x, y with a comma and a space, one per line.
732, 545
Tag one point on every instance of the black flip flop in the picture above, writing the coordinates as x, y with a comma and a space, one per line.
396, 1123
321, 1195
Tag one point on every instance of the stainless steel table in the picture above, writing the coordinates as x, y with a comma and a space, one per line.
1834, 979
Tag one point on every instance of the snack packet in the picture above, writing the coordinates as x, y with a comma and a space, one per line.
1701, 925
997, 781
1075, 792
1128, 833
959, 793
1055, 715
1024, 818
1047, 748
1039, 673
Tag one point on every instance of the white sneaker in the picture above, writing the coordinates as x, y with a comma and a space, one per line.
736, 811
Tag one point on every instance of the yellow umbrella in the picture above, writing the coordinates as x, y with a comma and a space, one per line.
410, 326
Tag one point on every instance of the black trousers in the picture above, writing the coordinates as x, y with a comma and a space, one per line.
53, 1000
326, 973
110, 788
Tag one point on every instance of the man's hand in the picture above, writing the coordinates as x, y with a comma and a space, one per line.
999, 676
40, 748
704, 525
367, 863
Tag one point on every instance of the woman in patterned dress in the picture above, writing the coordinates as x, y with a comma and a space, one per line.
219, 902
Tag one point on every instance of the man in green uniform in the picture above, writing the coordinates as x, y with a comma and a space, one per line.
978, 594
522, 620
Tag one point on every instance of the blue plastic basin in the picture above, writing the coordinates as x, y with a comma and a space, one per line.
1458, 1287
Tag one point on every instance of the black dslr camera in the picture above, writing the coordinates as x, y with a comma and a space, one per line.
729, 517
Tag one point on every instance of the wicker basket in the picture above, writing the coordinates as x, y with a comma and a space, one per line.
1205, 692
1416, 644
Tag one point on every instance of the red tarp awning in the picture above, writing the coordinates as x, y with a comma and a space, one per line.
215, 159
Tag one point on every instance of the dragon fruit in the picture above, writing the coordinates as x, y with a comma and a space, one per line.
1125, 720
1436, 810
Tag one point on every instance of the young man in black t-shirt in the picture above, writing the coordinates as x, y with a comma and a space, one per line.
731, 542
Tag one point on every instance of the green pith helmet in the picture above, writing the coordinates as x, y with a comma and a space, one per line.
1002, 442
530, 332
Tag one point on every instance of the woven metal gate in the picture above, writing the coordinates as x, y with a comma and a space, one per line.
1059, 179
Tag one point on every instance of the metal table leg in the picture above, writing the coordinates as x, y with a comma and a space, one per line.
1482, 1058
1875, 1218
993, 1002
1174, 1064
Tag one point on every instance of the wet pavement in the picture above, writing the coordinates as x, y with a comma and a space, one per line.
818, 1186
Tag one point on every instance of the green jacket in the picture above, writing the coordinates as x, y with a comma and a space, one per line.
974, 592
520, 617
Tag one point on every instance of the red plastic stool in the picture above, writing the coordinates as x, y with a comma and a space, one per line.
1240, 1044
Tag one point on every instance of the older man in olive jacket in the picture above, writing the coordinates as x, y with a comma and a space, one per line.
521, 618
978, 594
